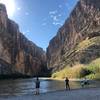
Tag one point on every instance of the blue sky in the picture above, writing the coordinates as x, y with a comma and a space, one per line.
39, 20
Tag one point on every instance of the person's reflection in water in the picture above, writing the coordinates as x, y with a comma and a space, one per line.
67, 83
37, 84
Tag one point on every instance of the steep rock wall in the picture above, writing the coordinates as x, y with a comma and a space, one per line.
78, 40
22, 55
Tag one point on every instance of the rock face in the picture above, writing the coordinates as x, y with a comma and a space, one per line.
78, 40
17, 53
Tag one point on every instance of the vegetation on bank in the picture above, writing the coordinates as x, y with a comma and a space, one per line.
90, 71
89, 67
95, 68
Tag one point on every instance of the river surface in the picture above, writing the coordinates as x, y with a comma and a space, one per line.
27, 86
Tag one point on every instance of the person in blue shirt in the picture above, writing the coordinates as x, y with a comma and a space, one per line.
37, 86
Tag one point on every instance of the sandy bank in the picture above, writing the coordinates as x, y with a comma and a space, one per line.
81, 94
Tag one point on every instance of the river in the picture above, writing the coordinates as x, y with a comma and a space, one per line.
27, 86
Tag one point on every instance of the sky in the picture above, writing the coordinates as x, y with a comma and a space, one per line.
39, 20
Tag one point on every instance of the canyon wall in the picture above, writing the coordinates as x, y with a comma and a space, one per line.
17, 53
78, 40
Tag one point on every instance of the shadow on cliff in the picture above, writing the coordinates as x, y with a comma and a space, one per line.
45, 72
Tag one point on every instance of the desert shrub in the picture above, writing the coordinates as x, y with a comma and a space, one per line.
72, 72
84, 72
94, 76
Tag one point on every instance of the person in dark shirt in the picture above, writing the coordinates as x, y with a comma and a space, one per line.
67, 83
37, 86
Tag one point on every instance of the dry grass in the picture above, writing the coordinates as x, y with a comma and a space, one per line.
70, 72
91, 71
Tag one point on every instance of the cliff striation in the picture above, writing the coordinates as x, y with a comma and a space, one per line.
78, 40
17, 53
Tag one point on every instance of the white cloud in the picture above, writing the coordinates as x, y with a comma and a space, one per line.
57, 23
53, 12
55, 18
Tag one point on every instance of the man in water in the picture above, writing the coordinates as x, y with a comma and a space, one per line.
67, 83
37, 84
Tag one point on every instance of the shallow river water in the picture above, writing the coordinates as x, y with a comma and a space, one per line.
27, 86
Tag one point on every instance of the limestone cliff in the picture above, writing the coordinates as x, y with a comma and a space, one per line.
17, 53
78, 40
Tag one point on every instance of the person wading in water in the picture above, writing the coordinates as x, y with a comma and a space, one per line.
37, 84
67, 83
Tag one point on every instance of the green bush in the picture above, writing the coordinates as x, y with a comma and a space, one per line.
72, 72
91, 71
84, 72
94, 68
94, 76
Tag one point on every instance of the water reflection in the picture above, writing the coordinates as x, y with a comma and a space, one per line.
27, 86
